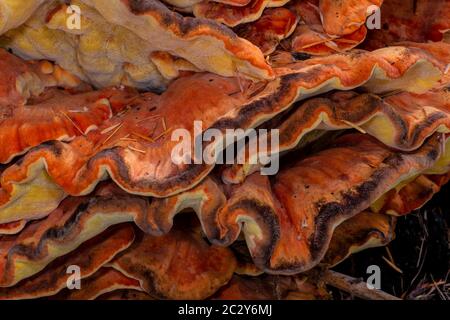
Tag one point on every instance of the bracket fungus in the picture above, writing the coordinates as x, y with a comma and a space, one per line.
115, 40
135, 147
117, 168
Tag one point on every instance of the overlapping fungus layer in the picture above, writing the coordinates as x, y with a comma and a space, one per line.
92, 103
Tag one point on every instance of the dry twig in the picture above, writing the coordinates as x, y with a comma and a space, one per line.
354, 286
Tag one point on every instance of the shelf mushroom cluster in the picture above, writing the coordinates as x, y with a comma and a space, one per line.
87, 115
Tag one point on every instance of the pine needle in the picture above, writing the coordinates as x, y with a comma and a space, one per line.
420, 253
121, 113
162, 134
112, 134
317, 42
390, 255
143, 137
109, 129
443, 297
354, 126
136, 149
128, 139
73, 123
392, 265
